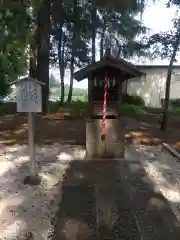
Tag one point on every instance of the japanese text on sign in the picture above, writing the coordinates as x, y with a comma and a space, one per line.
29, 97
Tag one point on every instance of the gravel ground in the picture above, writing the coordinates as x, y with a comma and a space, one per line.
24, 208
164, 171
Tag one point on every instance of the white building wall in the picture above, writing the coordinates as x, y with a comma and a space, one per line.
151, 86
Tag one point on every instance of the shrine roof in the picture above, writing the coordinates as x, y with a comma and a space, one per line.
124, 67
26, 79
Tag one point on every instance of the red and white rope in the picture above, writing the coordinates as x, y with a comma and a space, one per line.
104, 105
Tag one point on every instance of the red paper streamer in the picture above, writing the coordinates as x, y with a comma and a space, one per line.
103, 126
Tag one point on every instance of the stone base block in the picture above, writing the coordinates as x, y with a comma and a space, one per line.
112, 146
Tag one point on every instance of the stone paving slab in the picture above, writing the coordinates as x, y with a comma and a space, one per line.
107, 202
77, 214
120, 200
115, 220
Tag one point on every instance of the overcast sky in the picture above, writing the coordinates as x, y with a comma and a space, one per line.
156, 17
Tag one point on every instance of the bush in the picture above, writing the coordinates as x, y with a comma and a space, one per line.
130, 109
53, 106
172, 102
175, 111
83, 98
175, 102
8, 108
135, 100
76, 106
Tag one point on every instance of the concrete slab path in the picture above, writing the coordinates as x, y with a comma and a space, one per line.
112, 199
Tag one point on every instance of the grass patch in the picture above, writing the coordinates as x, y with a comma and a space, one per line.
130, 109
74, 108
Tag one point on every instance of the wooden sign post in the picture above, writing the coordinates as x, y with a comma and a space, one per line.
29, 100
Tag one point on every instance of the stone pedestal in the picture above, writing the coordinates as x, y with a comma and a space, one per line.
113, 146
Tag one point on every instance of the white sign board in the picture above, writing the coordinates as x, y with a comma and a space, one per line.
28, 96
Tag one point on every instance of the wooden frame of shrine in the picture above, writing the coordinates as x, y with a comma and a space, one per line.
117, 71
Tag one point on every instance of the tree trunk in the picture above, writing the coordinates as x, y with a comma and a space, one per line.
73, 51
71, 80
61, 61
61, 67
62, 84
43, 47
93, 22
102, 40
32, 61
168, 84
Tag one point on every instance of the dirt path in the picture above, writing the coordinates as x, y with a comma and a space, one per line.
13, 129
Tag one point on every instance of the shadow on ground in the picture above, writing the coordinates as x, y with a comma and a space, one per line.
27, 208
97, 200
13, 129
112, 200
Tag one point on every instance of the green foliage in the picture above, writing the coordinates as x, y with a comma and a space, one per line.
7, 108
116, 23
13, 43
122, 35
77, 92
132, 110
53, 81
18, 27
53, 106
76, 108
135, 100
84, 98
79, 108
175, 111
175, 102
162, 44
173, 2
4, 87
71, 19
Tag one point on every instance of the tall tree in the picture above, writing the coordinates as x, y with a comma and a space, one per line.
168, 81
14, 20
93, 27
73, 45
61, 59
175, 47
78, 47
69, 38
43, 48
59, 18
81, 22
167, 45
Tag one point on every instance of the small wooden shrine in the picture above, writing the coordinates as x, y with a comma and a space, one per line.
104, 102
